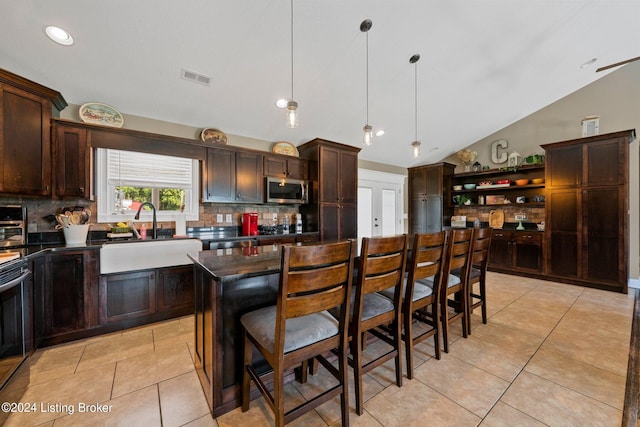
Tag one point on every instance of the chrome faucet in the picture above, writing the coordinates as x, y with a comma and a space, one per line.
155, 223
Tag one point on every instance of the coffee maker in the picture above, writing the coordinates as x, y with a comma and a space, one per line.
250, 224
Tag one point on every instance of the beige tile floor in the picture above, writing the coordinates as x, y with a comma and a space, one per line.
551, 354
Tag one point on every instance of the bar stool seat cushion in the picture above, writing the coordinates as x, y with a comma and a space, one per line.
473, 274
452, 281
419, 291
300, 331
374, 305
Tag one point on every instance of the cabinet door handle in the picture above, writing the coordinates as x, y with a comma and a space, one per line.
82, 190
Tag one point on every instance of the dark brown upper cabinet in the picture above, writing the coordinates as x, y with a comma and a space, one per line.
283, 167
26, 109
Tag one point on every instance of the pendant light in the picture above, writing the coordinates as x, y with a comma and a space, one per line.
292, 106
365, 26
416, 144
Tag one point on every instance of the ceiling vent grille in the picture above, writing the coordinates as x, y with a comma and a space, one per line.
192, 76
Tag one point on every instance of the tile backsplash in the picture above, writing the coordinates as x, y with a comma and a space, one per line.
534, 215
39, 209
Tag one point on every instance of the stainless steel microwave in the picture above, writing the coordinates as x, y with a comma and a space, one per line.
289, 191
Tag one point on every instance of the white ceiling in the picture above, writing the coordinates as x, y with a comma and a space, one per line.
484, 63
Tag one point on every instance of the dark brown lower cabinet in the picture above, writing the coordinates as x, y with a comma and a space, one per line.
514, 251
148, 295
340, 221
127, 295
65, 283
71, 301
175, 289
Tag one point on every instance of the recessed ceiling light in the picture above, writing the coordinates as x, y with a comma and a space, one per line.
58, 35
380, 132
281, 103
588, 63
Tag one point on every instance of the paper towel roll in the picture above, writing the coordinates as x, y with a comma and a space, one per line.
181, 224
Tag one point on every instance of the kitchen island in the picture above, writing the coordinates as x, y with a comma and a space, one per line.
229, 283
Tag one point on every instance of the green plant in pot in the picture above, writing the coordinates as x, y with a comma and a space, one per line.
462, 200
534, 159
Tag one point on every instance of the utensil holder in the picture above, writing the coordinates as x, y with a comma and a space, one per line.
75, 234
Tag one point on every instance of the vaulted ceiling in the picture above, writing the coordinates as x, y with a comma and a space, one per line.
484, 63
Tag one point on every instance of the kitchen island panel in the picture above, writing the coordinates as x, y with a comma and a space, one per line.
229, 283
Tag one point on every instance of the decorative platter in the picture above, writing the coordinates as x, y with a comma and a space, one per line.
284, 147
101, 114
213, 136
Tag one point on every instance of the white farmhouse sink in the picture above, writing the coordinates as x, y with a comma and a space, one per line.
139, 255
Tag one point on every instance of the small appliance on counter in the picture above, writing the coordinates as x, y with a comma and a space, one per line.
250, 224
298, 223
13, 226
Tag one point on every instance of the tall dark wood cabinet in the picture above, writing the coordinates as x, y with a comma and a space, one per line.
333, 172
26, 109
587, 221
429, 195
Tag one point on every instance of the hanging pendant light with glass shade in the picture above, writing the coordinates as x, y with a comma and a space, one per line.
416, 144
292, 106
365, 26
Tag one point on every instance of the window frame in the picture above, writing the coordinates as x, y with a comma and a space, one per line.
106, 195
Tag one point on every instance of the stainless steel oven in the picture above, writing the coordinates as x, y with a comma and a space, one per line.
16, 324
13, 226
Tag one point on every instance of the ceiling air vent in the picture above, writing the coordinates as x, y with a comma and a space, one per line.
196, 77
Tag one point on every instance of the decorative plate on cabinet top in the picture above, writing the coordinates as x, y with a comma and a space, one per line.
213, 136
101, 114
284, 147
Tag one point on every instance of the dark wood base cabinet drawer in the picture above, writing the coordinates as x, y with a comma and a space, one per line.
149, 295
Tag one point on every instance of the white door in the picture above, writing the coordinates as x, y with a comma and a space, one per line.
379, 204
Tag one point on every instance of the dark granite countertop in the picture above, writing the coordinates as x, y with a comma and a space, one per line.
238, 263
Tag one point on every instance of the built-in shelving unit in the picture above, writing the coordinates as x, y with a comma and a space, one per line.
511, 191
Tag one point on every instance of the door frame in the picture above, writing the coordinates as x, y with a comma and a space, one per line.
382, 178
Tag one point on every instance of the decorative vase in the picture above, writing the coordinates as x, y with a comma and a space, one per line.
467, 167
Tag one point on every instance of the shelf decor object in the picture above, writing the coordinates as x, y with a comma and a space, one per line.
497, 155
284, 147
101, 114
467, 157
213, 136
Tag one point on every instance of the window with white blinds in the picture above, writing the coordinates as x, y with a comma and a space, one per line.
148, 170
126, 179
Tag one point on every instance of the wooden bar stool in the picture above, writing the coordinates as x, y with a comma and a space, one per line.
313, 279
459, 251
478, 275
427, 262
381, 267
